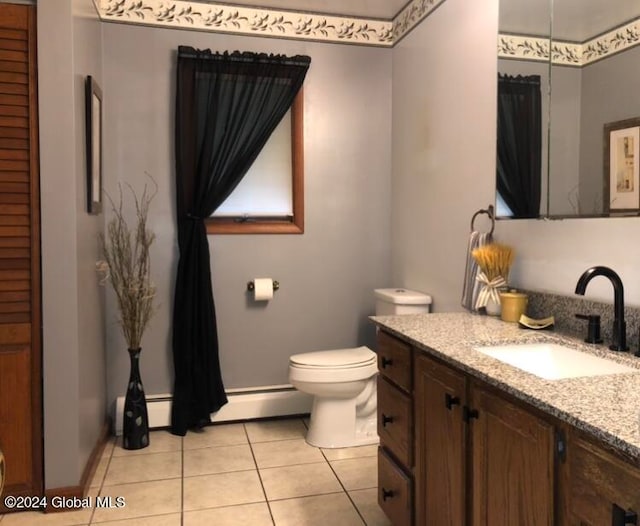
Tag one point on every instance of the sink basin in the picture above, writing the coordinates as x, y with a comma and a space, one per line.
552, 361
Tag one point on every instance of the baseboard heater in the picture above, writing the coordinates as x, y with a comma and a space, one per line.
244, 404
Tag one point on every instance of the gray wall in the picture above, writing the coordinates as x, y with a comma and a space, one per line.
327, 275
564, 140
444, 133
73, 338
87, 60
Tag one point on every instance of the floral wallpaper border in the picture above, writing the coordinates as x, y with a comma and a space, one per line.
247, 21
187, 14
569, 53
523, 47
411, 15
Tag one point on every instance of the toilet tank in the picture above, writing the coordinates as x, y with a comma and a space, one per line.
401, 301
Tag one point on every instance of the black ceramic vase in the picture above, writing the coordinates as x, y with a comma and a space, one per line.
135, 425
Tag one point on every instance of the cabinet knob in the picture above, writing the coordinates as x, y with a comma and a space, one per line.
450, 401
386, 420
468, 413
622, 517
387, 494
386, 361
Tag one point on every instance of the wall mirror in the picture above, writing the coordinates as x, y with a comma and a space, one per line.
582, 56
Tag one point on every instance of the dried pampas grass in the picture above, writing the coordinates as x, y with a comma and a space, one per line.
127, 265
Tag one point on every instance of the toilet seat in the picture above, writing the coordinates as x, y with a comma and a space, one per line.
344, 365
336, 359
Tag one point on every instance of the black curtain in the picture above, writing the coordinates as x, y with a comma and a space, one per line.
227, 106
519, 144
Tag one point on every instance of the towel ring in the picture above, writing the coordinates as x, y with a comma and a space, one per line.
489, 212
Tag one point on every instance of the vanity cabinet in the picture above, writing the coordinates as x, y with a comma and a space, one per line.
601, 488
479, 458
457, 450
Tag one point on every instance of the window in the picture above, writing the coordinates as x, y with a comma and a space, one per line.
233, 218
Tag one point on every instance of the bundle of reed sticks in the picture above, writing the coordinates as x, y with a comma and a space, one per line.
494, 260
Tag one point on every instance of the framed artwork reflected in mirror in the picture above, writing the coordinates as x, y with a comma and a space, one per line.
621, 175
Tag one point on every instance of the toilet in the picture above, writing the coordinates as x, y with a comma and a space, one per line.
343, 381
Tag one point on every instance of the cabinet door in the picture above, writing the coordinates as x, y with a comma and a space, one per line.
440, 444
602, 488
20, 317
512, 464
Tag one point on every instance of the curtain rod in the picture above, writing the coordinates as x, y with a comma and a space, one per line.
520, 79
244, 56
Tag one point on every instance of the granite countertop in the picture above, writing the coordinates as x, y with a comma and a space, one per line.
607, 407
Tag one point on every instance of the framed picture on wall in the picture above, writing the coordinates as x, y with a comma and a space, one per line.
93, 108
622, 166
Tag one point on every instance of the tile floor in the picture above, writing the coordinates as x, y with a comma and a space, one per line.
251, 474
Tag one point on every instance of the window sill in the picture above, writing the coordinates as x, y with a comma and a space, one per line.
217, 226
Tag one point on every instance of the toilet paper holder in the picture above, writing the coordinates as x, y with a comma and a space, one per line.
251, 285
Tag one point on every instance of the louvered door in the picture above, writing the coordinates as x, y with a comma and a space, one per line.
20, 341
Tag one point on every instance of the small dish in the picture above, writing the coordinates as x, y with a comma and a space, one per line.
537, 324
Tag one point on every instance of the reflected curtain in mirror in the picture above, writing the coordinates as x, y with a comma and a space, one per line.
227, 106
518, 163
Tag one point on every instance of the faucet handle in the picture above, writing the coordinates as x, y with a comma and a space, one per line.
593, 329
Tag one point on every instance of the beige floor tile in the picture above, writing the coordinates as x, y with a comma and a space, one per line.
140, 468
101, 471
357, 473
299, 481
334, 510
242, 515
141, 499
270, 430
36, 518
109, 447
366, 500
155, 520
217, 435
285, 453
351, 452
221, 459
159, 442
223, 489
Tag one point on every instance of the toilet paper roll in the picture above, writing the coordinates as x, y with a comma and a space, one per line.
263, 289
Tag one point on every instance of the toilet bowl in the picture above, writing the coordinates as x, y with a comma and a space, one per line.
343, 384
343, 381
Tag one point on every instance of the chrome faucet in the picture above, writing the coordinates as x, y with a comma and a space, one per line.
619, 325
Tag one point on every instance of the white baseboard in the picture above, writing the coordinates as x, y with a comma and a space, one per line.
244, 404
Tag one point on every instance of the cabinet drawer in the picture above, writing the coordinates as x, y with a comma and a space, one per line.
599, 483
395, 421
394, 491
394, 360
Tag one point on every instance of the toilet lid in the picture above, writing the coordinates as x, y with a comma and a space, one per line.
355, 357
